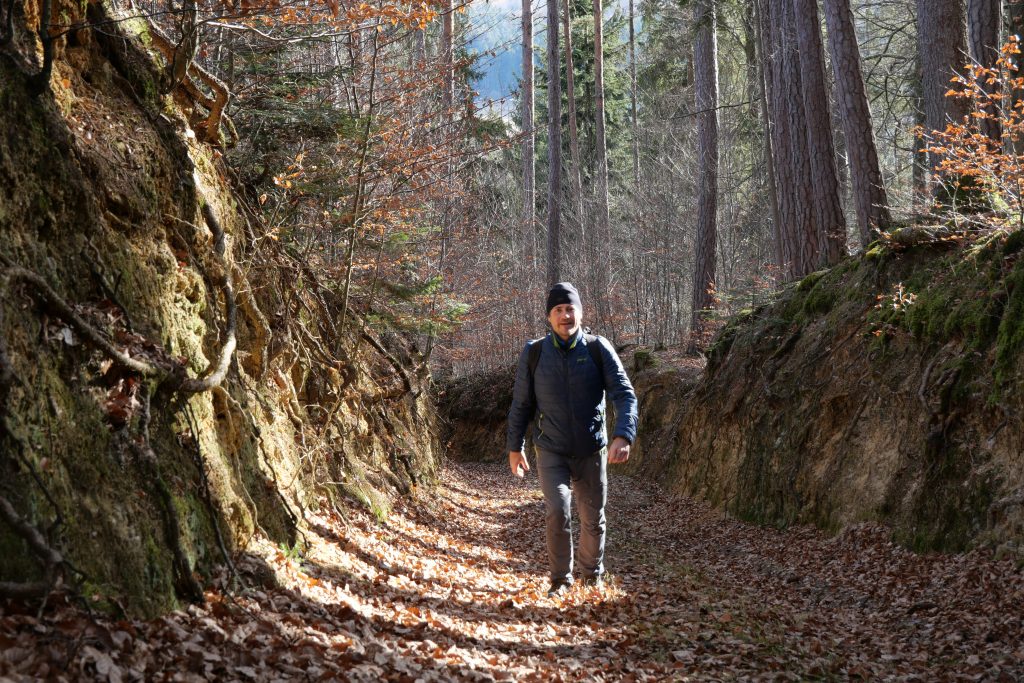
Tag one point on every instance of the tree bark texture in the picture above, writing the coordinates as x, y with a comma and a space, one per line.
602, 227
828, 209
869, 195
554, 260
705, 74
942, 48
984, 23
763, 76
919, 178
529, 136
575, 180
797, 232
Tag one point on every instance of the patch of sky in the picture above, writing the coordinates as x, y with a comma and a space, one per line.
495, 37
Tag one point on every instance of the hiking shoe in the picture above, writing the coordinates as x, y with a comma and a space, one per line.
559, 587
595, 581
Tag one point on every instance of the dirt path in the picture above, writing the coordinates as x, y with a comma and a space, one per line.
453, 587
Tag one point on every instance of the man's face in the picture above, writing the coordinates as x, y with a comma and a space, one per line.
565, 319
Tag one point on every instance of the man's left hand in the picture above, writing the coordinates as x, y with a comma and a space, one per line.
619, 451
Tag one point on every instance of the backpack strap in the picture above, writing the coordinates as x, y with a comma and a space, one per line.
594, 347
534, 358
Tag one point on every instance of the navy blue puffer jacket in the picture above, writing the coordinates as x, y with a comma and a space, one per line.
569, 390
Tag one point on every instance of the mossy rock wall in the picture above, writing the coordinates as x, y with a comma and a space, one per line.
475, 412
888, 388
102, 181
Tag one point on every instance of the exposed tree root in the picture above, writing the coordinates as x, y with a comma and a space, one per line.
185, 582
43, 291
96, 265
200, 463
395, 363
169, 373
52, 560
232, 404
215, 374
183, 69
257, 322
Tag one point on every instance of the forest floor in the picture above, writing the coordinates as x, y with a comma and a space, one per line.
453, 587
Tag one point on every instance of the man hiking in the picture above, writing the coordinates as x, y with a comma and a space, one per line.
560, 384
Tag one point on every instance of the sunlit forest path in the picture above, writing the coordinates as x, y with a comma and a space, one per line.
454, 589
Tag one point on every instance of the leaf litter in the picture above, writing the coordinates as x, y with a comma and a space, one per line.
452, 586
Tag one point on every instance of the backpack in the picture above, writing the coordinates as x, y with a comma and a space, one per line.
592, 347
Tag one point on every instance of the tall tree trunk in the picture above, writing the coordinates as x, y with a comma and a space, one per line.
529, 136
921, 165
632, 99
554, 269
575, 181
984, 22
447, 57
798, 229
763, 76
942, 49
828, 209
705, 74
602, 227
869, 196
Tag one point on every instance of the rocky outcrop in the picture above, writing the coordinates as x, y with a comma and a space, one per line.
886, 389
170, 390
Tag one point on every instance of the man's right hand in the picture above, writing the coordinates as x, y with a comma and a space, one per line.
517, 463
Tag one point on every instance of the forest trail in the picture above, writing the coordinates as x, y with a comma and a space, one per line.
453, 588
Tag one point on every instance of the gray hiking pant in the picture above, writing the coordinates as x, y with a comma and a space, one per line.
587, 478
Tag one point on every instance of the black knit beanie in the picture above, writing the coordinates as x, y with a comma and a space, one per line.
562, 293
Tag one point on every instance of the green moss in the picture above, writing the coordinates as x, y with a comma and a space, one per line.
643, 359
363, 493
719, 348
875, 251
1014, 242
821, 298
808, 282
1010, 333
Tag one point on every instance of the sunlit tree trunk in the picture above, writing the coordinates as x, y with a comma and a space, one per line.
554, 261
984, 22
921, 165
529, 136
942, 48
869, 196
705, 76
